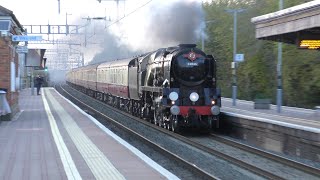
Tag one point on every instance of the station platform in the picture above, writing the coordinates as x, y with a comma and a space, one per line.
296, 118
293, 131
50, 138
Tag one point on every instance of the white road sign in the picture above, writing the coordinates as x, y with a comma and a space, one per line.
26, 38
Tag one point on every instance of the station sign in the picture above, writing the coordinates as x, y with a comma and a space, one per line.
239, 58
22, 49
26, 38
309, 44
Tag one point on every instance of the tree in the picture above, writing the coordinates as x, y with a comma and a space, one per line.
257, 75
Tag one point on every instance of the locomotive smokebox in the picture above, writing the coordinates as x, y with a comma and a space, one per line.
187, 45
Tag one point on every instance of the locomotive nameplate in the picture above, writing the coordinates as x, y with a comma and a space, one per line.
192, 64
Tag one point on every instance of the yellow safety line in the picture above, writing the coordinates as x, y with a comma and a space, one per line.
100, 166
68, 164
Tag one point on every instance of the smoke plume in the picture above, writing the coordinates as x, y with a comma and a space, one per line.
155, 25
174, 23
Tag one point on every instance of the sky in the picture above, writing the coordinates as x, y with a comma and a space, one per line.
145, 25
44, 11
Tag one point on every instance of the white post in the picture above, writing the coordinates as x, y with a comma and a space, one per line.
279, 70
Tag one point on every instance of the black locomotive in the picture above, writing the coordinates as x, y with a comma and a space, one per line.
173, 87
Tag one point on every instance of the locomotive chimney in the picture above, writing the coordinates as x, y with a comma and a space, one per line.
187, 45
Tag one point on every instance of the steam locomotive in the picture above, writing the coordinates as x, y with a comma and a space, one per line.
172, 87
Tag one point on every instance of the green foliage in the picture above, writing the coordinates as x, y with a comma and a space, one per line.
301, 77
257, 76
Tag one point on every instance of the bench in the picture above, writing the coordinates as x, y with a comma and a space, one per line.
262, 103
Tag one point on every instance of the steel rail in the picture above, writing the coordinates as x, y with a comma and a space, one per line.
268, 155
240, 163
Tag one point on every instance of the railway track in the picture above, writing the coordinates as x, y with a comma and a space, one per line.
286, 164
196, 168
268, 155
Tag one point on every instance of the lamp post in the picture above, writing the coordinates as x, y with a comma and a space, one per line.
234, 75
202, 34
279, 70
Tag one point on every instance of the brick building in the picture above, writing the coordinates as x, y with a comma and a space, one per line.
9, 59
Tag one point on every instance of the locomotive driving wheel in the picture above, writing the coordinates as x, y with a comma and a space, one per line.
174, 123
158, 116
166, 122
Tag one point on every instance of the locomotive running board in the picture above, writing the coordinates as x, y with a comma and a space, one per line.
151, 89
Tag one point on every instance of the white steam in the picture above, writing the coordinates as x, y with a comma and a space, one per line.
157, 24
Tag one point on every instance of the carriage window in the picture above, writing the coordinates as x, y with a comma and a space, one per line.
121, 81
108, 75
113, 76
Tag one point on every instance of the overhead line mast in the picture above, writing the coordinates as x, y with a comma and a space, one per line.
59, 6
117, 5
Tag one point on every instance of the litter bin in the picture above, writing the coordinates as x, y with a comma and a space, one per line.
262, 103
317, 108
4, 105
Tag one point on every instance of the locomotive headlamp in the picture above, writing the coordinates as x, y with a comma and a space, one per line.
175, 110
173, 96
213, 102
194, 97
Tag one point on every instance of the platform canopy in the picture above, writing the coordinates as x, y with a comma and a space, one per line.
295, 25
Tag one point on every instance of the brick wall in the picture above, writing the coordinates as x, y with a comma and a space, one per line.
6, 56
4, 64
